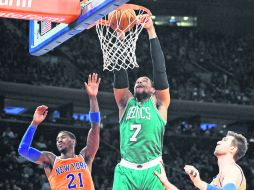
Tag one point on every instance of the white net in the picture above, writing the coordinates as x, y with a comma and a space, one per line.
118, 43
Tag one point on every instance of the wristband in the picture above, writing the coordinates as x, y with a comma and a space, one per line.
94, 117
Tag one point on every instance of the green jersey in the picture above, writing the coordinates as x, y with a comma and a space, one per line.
141, 132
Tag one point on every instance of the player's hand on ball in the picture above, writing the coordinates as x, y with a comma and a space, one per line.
92, 85
147, 19
39, 115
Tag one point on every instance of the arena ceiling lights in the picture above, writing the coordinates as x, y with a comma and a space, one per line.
179, 21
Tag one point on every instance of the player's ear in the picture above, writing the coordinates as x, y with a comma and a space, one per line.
153, 90
74, 141
233, 149
152, 87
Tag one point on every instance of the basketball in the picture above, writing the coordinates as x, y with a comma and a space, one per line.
122, 20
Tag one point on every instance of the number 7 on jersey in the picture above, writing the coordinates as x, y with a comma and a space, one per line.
137, 128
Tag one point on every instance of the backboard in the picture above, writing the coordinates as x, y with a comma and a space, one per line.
45, 36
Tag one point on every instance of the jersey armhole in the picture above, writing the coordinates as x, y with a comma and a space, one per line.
241, 174
125, 108
82, 157
54, 161
165, 122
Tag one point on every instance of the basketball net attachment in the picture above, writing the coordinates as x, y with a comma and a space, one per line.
118, 33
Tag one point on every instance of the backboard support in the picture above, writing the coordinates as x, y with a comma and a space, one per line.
45, 36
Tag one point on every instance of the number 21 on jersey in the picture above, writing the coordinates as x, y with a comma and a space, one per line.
137, 128
71, 184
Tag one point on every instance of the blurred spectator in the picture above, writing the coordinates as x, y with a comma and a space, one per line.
8, 133
40, 144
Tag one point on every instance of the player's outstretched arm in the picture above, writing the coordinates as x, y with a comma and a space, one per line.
164, 180
159, 70
89, 152
25, 148
231, 178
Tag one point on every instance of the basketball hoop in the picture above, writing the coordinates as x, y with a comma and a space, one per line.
118, 33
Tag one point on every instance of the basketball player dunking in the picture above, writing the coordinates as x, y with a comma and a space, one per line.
68, 171
231, 177
142, 121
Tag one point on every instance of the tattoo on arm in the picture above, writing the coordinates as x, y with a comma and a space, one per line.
47, 158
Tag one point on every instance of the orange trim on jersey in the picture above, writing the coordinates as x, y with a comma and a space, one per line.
71, 173
43, 10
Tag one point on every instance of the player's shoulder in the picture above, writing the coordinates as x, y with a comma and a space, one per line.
232, 168
48, 156
48, 153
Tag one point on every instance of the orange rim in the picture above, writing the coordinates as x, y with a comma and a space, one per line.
125, 6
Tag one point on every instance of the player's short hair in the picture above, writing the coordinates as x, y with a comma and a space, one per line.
70, 134
240, 142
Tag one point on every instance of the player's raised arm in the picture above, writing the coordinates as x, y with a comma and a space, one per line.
159, 71
25, 148
121, 88
90, 150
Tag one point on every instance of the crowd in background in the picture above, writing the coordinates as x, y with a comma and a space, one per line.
201, 66
193, 149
